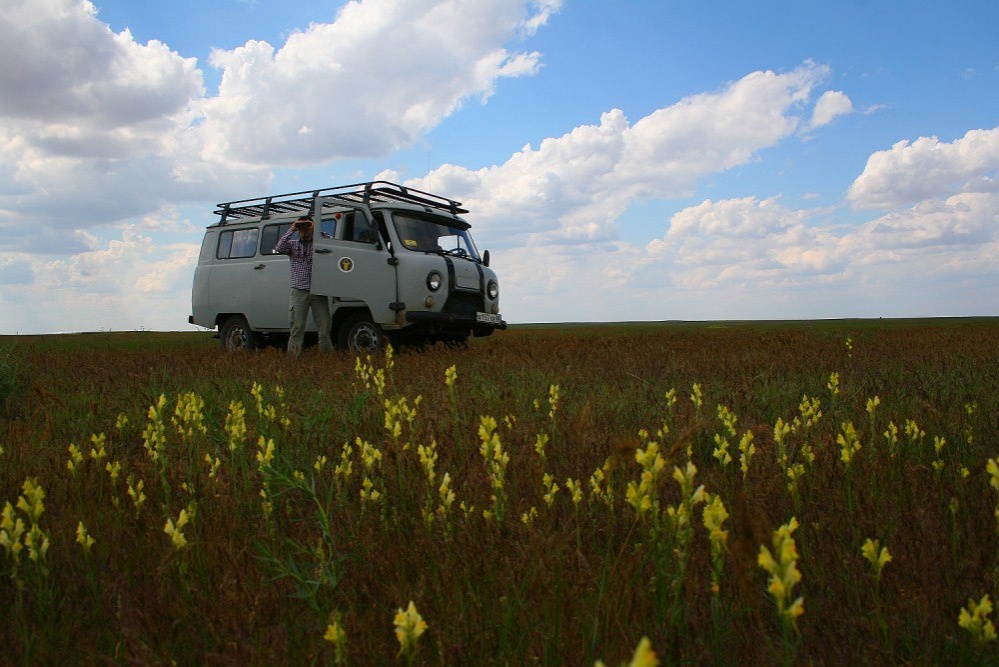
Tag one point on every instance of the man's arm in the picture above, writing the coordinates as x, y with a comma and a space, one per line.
284, 245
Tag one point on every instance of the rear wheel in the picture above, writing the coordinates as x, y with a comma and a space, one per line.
236, 334
359, 334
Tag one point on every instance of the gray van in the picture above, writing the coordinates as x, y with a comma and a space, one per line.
396, 263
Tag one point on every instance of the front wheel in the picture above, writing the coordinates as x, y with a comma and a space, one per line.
236, 334
360, 334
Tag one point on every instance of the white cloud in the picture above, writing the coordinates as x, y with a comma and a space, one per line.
137, 280
747, 258
927, 168
831, 105
96, 128
574, 187
62, 65
374, 80
743, 257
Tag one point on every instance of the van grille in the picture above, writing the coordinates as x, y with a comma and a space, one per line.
463, 304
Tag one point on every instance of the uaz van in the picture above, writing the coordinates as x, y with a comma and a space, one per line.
395, 263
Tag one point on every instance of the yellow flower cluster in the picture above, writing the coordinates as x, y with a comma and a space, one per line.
644, 656
99, 449
136, 493
697, 397
496, 461
369, 376
188, 416
83, 538
154, 435
877, 555
782, 565
398, 412
642, 496
176, 530
235, 425
975, 619
75, 458
409, 627
336, 635
715, 515
848, 442
833, 384
680, 516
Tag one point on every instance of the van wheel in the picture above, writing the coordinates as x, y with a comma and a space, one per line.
360, 334
236, 334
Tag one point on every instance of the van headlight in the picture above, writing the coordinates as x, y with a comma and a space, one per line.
434, 281
493, 290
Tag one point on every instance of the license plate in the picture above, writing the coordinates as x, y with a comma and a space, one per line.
487, 318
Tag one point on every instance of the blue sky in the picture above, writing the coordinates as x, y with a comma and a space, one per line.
622, 161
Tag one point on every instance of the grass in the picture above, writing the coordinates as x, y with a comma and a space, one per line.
278, 549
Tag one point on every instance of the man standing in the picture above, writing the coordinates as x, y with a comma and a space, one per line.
302, 299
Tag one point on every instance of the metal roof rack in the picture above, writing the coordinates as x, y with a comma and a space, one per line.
356, 193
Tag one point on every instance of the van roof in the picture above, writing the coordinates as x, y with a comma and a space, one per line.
367, 194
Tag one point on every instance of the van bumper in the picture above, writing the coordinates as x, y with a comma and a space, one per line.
452, 319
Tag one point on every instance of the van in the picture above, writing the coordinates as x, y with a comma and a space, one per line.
396, 264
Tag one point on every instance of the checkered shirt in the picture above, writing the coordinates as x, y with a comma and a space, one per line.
301, 259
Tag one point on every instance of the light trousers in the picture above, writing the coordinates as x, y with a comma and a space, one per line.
301, 301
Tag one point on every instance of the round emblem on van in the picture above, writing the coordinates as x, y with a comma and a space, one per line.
346, 264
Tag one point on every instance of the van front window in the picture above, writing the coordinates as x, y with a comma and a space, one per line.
428, 235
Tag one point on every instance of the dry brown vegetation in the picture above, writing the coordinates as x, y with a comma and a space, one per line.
262, 576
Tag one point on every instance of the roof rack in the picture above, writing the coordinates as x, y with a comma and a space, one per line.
356, 193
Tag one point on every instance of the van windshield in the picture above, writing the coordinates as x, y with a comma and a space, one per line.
425, 234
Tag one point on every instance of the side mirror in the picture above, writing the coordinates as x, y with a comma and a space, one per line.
485, 257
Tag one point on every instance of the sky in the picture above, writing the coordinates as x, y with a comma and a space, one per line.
621, 161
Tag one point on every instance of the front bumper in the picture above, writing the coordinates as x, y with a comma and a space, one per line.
451, 319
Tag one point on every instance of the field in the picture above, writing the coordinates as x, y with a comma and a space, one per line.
736, 493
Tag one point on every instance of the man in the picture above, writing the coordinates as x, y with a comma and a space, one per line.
302, 298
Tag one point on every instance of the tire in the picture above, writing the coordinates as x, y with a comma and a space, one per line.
359, 333
236, 335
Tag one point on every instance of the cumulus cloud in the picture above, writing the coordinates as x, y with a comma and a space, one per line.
62, 66
574, 187
140, 279
927, 168
831, 105
97, 128
374, 80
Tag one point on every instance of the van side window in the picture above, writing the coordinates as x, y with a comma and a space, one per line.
272, 234
237, 243
327, 228
359, 229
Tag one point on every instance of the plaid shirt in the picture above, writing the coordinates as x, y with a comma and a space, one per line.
301, 259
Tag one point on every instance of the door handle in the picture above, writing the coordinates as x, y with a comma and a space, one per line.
323, 251
259, 266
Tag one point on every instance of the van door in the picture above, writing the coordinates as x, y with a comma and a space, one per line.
270, 283
356, 266
233, 269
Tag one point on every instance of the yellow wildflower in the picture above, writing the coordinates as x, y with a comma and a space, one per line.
409, 627
782, 565
644, 656
876, 555
75, 458
83, 538
336, 635
175, 531
975, 619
